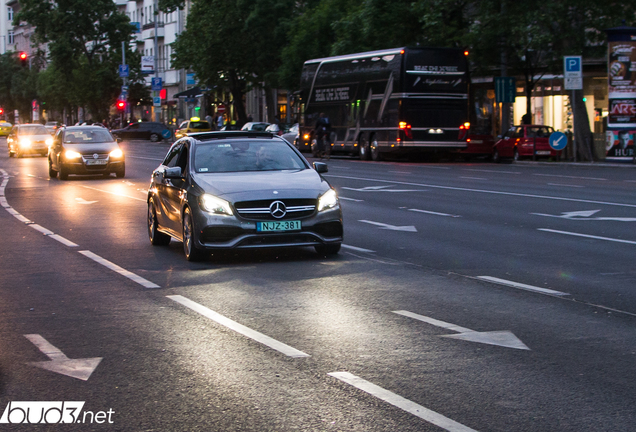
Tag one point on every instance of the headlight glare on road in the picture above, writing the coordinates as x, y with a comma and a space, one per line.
25, 142
117, 153
215, 205
328, 200
49, 142
70, 154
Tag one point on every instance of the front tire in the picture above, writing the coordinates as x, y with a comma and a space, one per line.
121, 173
52, 172
496, 157
376, 155
515, 155
156, 238
192, 252
365, 149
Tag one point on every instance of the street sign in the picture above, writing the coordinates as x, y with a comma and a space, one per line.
220, 109
558, 140
505, 89
156, 101
166, 133
124, 71
147, 64
190, 80
156, 84
573, 72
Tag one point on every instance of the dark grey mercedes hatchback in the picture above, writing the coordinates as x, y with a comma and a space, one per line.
237, 189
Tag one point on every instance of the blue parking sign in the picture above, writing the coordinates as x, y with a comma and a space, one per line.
572, 64
124, 71
156, 84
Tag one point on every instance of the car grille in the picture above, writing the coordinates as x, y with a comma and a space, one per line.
259, 210
89, 156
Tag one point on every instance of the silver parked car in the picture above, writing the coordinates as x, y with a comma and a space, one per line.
239, 189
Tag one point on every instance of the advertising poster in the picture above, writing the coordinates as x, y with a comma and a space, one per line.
622, 83
620, 143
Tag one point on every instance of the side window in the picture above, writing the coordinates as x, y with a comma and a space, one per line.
171, 158
518, 133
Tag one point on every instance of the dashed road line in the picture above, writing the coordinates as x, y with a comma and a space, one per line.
522, 286
114, 267
357, 249
239, 328
402, 403
434, 213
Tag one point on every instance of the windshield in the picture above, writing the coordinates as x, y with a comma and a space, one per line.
33, 130
239, 156
87, 136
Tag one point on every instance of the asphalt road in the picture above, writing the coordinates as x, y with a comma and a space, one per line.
467, 296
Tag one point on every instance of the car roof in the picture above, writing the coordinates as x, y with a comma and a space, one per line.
84, 127
235, 134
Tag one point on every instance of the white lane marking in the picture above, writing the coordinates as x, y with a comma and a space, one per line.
587, 236
83, 201
570, 177
565, 185
409, 228
502, 338
488, 191
522, 286
19, 217
62, 240
400, 172
493, 171
358, 249
342, 198
402, 403
585, 215
114, 267
3, 202
472, 178
239, 328
41, 229
434, 213
115, 193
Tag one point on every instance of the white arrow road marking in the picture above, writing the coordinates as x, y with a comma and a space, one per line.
585, 215
59, 363
409, 228
522, 286
83, 201
500, 338
434, 213
402, 403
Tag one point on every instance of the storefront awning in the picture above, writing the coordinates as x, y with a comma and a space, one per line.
191, 93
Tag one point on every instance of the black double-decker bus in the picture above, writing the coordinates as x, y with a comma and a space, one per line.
393, 100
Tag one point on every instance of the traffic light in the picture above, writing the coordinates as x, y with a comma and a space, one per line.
23, 58
1, 111
121, 105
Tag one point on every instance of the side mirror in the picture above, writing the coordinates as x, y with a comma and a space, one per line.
173, 173
118, 139
321, 167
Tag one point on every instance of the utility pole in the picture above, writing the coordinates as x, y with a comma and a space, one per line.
155, 93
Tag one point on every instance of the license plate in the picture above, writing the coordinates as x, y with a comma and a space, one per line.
96, 162
543, 152
278, 226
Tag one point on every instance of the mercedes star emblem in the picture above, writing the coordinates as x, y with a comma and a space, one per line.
278, 209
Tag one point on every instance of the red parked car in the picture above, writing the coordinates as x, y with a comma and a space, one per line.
519, 141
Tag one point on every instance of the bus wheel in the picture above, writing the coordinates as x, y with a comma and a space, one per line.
376, 155
365, 150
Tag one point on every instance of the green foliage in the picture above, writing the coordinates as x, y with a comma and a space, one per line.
84, 41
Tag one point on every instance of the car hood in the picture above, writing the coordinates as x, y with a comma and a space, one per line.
92, 148
42, 137
245, 186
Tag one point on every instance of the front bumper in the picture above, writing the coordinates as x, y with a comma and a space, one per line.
231, 232
81, 167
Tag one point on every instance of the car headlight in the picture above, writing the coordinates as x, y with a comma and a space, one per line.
117, 153
25, 142
70, 154
328, 200
49, 142
215, 205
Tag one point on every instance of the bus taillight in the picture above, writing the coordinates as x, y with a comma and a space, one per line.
407, 129
463, 130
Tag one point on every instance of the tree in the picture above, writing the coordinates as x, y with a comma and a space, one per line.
83, 39
240, 41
